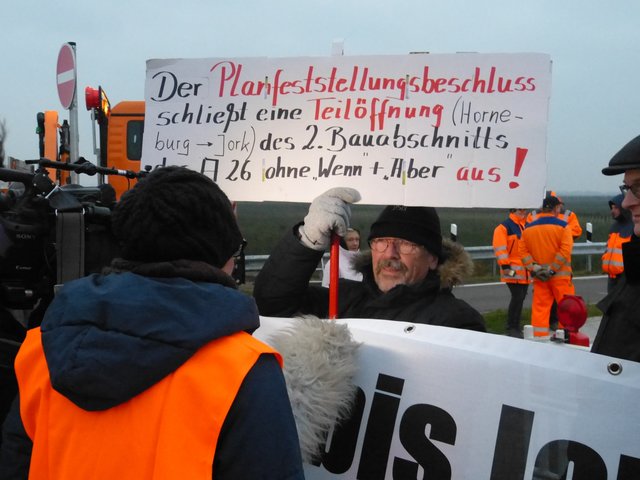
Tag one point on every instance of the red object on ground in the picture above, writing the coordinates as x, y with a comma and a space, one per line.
572, 312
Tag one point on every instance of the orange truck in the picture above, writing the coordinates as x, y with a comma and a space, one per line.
120, 135
118, 143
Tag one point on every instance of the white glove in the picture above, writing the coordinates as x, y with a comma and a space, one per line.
543, 274
330, 212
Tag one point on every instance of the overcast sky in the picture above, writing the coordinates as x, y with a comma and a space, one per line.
594, 47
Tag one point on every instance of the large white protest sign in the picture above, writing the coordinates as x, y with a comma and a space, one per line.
443, 403
457, 130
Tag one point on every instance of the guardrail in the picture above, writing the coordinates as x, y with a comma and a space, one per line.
253, 263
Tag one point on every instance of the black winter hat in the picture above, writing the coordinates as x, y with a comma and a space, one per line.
419, 225
550, 201
175, 213
628, 158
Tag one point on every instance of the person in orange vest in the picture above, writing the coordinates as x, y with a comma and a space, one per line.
545, 249
619, 233
149, 370
506, 237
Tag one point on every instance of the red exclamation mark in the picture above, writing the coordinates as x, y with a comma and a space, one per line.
521, 153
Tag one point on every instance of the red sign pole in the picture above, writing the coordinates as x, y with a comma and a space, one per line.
334, 269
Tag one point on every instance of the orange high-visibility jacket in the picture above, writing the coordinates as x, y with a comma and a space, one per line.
574, 225
547, 242
506, 237
612, 263
568, 216
169, 431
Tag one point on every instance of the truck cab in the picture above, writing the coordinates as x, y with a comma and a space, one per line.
124, 143
120, 136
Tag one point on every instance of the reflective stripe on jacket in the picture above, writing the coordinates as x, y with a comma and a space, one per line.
169, 431
505, 247
572, 220
547, 242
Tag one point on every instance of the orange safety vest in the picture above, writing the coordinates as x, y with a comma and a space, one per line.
547, 241
169, 431
612, 263
568, 216
506, 237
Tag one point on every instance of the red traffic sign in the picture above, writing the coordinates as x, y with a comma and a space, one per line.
66, 75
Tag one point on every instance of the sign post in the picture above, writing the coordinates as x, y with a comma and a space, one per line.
66, 79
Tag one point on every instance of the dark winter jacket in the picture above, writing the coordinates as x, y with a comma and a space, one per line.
619, 331
106, 338
282, 289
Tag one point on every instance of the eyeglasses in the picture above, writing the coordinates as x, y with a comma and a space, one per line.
240, 250
635, 189
403, 246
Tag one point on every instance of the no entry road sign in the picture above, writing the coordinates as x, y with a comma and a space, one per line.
66, 75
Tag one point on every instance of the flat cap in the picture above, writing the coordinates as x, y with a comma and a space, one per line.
628, 158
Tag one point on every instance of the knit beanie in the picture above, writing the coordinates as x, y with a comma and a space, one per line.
419, 225
175, 213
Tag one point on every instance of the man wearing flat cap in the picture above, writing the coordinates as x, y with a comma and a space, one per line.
619, 332
408, 274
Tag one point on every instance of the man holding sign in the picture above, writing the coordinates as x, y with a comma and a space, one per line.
407, 276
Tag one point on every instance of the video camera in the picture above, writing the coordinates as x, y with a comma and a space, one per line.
50, 233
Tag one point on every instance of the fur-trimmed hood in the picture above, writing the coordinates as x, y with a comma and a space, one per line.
456, 264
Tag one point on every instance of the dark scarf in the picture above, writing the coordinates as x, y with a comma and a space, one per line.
631, 257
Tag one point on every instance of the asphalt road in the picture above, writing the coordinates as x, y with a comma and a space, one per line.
486, 297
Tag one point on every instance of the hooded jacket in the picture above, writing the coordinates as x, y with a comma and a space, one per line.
109, 338
282, 289
619, 233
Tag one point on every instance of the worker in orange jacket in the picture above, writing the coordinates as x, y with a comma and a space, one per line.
506, 239
619, 233
545, 250
571, 218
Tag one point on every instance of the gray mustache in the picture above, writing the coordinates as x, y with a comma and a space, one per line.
391, 263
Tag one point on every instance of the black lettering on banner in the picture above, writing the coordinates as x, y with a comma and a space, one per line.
554, 458
629, 468
380, 426
412, 435
512, 444
341, 445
